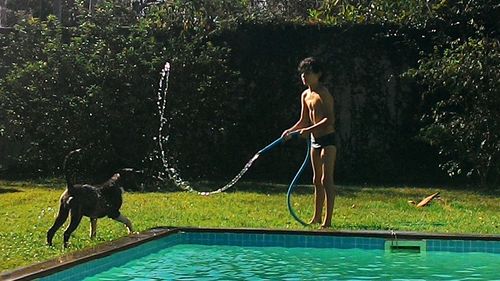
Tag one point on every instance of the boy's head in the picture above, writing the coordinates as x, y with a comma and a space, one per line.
310, 67
310, 64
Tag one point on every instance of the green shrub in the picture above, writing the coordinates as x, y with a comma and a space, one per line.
94, 85
462, 117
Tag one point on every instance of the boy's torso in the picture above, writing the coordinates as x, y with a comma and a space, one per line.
315, 102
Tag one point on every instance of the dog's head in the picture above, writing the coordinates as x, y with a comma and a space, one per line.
129, 178
115, 177
115, 180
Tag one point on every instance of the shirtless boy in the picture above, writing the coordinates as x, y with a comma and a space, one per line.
317, 120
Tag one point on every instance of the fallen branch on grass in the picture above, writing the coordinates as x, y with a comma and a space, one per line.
427, 200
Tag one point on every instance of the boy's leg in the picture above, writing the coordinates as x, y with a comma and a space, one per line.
328, 157
319, 190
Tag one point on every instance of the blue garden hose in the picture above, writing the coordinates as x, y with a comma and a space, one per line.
270, 146
292, 185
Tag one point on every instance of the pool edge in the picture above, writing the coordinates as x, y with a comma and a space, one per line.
49, 267
52, 266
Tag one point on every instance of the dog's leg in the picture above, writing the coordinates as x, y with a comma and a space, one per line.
123, 219
76, 217
93, 227
62, 215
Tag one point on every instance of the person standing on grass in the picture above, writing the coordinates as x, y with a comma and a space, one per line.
317, 121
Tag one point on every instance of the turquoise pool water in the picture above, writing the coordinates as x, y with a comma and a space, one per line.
281, 256
203, 262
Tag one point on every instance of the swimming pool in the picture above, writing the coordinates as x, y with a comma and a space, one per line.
248, 254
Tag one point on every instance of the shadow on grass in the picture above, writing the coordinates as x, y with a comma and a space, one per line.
408, 192
8, 190
349, 191
280, 188
416, 190
272, 188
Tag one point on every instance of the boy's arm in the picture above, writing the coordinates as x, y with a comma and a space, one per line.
304, 116
328, 120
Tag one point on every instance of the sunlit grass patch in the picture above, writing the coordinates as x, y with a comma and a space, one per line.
28, 210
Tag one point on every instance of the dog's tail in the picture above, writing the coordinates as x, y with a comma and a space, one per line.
67, 171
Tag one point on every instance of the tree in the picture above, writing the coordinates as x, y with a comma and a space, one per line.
14, 11
462, 113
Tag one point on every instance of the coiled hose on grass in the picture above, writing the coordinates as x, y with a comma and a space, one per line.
292, 185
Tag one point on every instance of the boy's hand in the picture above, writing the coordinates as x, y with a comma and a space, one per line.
304, 133
286, 135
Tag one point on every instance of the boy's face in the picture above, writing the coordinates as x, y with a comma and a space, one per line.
310, 78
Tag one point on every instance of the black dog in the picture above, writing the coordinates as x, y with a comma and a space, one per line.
87, 200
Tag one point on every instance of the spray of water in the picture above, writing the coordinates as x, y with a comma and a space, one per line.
170, 171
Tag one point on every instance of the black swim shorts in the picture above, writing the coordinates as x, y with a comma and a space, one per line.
323, 141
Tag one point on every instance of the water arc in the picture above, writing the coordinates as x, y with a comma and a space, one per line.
170, 171
174, 175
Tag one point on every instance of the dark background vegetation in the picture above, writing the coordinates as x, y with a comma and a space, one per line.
416, 86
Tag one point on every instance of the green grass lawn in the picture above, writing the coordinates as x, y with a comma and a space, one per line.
28, 210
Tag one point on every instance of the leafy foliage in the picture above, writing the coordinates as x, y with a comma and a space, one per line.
461, 90
455, 75
405, 12
89, 78
94, 86
18, 10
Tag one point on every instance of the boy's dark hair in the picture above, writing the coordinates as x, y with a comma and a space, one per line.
310, 64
